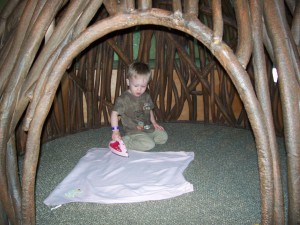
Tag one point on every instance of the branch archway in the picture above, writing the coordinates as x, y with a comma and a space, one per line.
33, 88
163, 18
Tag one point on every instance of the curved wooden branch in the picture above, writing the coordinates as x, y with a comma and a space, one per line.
27, 91
111, 6
26, 54
144, 4
9, 62
290, 97
13, 178
163, 18
56, 42
5, 12
191, 7
296, 26
177, 7
9, 100
262, 90
127, 5
291, 5
10, 27
86, 16
3, 217
217, 20
268, 44
295, 41
243, 84
244, 47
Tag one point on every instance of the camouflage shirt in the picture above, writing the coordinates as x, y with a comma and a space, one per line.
134, 112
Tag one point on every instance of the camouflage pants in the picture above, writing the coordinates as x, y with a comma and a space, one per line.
145, 141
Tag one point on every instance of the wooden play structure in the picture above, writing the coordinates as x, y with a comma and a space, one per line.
62, 62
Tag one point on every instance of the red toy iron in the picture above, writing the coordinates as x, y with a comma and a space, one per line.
118, 147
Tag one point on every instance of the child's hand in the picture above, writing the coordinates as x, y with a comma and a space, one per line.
158, 127
140, 128
116, 135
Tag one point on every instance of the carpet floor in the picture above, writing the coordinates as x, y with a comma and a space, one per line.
224, 174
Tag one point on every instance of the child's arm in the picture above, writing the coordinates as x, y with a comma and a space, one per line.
114, 121
153, 121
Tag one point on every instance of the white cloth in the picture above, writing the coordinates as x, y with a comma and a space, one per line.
103, 177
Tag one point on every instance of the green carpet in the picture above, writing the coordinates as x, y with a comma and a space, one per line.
224, 174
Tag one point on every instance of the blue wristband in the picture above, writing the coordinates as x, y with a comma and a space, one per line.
114, 128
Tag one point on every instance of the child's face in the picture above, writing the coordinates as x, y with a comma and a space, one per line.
137, 85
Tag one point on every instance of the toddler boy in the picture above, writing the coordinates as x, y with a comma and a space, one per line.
135, 107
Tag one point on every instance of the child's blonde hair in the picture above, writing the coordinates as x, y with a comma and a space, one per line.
138, 69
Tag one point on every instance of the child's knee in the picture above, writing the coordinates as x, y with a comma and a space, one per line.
145, 143
146, 146
139, 142
161, 137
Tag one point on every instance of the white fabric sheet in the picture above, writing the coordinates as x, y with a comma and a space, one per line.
103, 177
